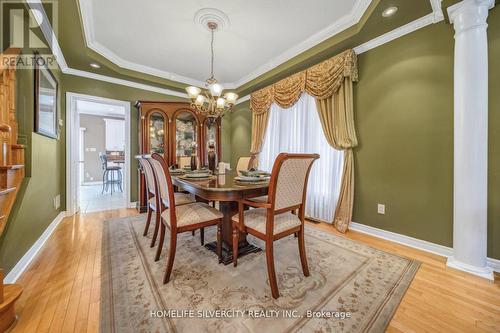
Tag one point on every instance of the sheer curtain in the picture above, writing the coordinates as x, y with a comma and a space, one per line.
298, 130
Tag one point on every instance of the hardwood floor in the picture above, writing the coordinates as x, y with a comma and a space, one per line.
62, 286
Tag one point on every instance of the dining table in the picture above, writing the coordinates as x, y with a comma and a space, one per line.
225, 189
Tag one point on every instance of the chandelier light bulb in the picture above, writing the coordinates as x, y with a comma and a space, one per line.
231, 98
221, 102
200, 100
215, 89
193, 92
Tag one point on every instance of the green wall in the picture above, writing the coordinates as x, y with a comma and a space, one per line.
404, 117
494, 134
241, 132
33, 210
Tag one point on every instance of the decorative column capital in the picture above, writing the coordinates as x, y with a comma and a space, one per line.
470, 14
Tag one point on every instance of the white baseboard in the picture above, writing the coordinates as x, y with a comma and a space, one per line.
132, 204
415, 243
494, 264
22, 264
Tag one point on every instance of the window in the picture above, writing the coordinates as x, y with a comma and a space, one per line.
298, 130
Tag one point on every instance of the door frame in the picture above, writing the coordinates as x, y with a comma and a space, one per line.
72, 156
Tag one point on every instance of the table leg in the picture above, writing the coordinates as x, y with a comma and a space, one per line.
229, 209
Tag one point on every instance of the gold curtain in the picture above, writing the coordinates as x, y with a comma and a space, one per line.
330, 82
320, 81
337, 119
260, 103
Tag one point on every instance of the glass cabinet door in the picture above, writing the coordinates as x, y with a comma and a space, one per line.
157, 133
211, 128
186, 129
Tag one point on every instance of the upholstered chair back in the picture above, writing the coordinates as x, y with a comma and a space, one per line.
161, 179
148, 174
290, 175
183, 161
243, 163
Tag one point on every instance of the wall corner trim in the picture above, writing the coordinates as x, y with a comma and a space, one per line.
415, 243
28, 257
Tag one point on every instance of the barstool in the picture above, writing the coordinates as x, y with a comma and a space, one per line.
112, 175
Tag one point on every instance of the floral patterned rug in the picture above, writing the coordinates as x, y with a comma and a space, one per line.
352, 287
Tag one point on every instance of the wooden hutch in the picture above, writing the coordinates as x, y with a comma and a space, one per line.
174, 130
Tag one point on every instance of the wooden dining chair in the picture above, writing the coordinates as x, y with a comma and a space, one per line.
273, 220
182, 218
153, 197
243, 163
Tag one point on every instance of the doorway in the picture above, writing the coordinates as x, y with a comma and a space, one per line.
98, 153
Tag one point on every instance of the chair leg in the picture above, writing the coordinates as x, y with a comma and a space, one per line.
148, 221
157, 225
270, 269
219, 241
192, 232
236, 235
160, 244
107, 181
103, 181
171, 256
120, 176
112, 185
202, 236
302, 252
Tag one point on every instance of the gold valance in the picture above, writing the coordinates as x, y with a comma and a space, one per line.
320, 81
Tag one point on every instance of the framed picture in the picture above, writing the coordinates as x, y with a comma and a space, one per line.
46, 113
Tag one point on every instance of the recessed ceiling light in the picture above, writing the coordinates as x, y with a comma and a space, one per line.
95, 65
389, 11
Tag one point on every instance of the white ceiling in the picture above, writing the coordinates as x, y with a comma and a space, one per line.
161, 37
100, 109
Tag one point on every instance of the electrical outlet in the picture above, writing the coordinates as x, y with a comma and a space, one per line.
57, 201
381, 208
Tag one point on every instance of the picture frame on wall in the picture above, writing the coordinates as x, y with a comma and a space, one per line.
46, 92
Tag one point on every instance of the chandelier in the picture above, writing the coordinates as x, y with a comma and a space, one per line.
209, 102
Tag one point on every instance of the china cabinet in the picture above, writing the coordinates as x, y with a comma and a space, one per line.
177, 132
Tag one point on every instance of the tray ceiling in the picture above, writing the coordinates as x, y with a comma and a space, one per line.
163, 38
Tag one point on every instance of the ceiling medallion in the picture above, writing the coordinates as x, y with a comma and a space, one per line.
206, 15
209, 102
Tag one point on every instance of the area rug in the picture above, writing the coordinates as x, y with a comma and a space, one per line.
352, 287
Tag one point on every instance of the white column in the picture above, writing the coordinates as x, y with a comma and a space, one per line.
470, 204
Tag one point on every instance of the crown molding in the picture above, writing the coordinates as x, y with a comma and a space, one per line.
437, 10
243, 99
48, 32
128, 83
345, 22
396, 33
